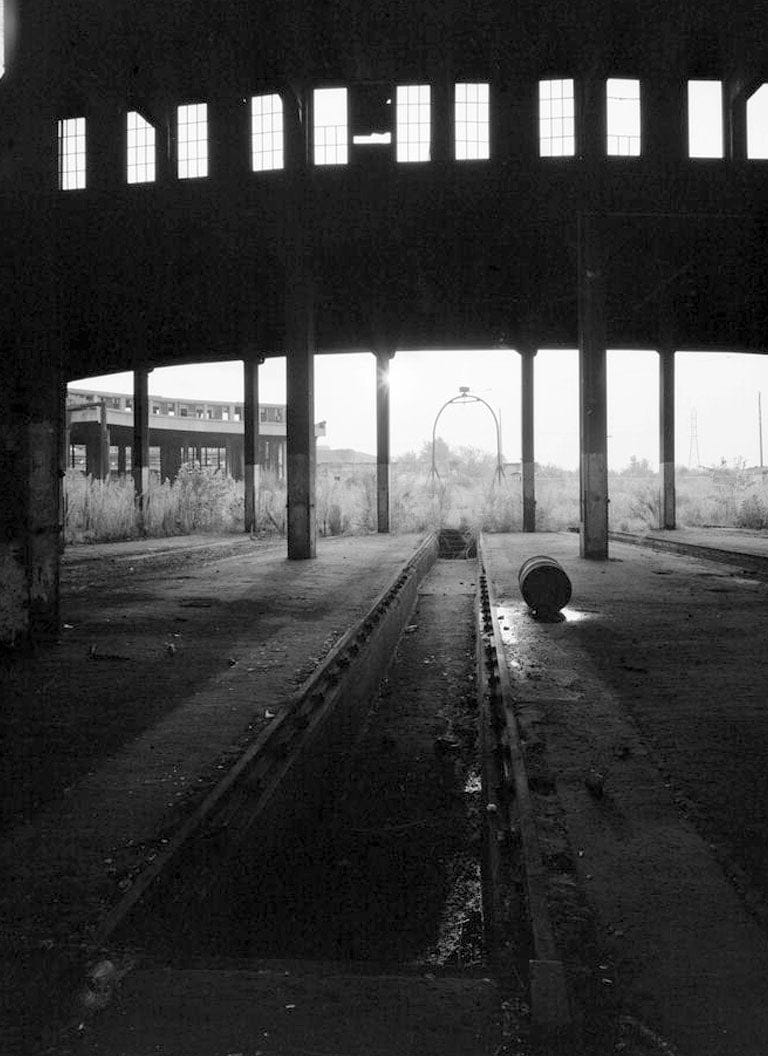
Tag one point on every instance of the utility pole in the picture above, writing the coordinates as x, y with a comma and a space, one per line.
694, 458
760, 425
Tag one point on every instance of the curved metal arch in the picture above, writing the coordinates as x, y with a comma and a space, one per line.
465, 396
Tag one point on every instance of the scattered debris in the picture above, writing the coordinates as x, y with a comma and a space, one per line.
94, 654
595, 783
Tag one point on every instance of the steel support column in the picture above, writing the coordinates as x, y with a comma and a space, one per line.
32, 425
592, 391
667, 512
140, 448
383, 357
104, 444
302, 542
251, 467
527, 444
300, 344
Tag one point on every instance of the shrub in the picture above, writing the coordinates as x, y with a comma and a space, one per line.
752, 513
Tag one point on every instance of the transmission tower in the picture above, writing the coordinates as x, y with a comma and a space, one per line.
694, 458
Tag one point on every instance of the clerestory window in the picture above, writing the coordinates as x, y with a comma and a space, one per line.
71, 136
192, 141
757, 123
266, 133
414, 131
472, 122
705, 119
141, 149
330, 126
557, 121
622, 113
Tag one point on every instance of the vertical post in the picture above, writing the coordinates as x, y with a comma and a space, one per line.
667, 513
664, 123
302, 541
300, 348
760, 425
383, 356
140, 449
251, 468
443, 139
592, 391
103, 442
529, 484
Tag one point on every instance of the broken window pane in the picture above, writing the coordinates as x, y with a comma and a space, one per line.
622, 97
331, 137
757, 123
705, 119
141, 149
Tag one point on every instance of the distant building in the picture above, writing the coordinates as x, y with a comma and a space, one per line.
100, 434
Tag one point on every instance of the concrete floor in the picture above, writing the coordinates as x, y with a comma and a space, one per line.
658, 678
657, 681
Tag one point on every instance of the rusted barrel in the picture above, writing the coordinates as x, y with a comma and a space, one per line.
544, 585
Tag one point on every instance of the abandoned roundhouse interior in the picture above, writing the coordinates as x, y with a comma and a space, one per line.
193, 182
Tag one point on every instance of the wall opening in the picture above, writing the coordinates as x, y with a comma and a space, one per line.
71, 136
330, 126
267, 151
141, 149
192, 141
705, 119
414, 130
472, 122
622, 111
372, 114
757, 123
557, 120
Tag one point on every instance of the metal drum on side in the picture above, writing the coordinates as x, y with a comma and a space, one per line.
544, 584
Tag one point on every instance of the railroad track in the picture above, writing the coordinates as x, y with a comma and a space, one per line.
356, 793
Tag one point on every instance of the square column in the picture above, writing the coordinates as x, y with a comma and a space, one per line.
32, 428
526, 420
140, 448
299, 341
300, 371
592, 391
251, 467
383, 357
667, 513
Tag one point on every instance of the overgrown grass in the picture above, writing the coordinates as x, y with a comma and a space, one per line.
201, 499
463, 494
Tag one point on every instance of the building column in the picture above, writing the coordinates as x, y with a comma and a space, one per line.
443, 135
32, 423
251, 461
383, 357
92, 454
299, 347
529, 483
300, 468
667, 513
104, 444
592, 391
140, 449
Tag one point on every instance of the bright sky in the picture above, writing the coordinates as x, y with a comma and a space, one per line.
721, 388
